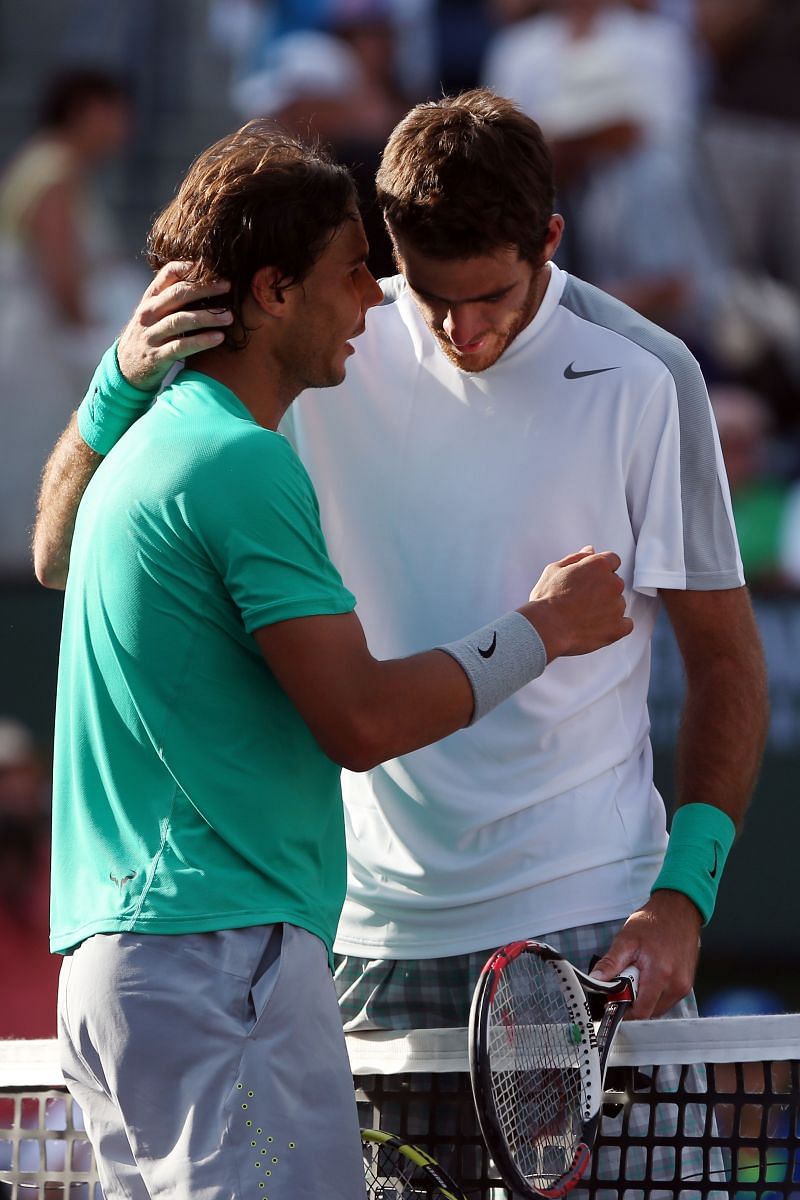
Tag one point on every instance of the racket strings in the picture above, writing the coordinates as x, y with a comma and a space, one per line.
534, 1056
390, 1175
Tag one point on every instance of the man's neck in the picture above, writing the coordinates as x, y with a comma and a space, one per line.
256, 383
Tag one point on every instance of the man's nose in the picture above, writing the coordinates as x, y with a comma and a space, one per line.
462, 325
372, 293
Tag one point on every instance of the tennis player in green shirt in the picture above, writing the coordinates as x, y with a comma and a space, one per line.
213, 677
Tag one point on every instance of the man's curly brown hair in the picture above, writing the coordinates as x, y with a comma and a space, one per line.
257, 197
467, 175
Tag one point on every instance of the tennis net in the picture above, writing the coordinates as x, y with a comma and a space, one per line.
695, 1109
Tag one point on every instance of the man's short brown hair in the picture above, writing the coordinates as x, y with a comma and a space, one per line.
256, 198
467, 174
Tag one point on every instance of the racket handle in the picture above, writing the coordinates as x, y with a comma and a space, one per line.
631, 973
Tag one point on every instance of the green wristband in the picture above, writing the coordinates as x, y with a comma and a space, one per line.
111, 405
699, 843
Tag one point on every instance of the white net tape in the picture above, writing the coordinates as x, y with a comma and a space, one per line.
638, 1043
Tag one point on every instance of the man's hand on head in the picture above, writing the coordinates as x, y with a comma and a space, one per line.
164, 329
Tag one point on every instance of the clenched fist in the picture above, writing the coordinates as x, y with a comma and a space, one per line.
578, 604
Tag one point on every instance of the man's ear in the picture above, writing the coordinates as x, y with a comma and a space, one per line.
266, 290
555, 229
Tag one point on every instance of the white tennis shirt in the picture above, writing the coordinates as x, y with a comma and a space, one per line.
443, 496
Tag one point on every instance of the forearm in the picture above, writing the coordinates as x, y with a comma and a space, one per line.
363, 710
64, 480
402, 704
719, 750
721, 740
418, 700
723, 731
109, 408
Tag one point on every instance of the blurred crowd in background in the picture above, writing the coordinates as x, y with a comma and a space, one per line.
675, 127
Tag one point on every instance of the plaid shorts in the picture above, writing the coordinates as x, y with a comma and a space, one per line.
437, 993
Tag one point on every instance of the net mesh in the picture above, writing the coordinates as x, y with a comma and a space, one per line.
44, 1150
718, 1116
538, 1056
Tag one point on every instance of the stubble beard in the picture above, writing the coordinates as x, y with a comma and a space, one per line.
501, 338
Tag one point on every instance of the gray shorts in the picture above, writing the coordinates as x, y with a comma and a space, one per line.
211, 1065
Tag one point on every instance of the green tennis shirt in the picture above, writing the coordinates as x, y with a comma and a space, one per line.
189, 794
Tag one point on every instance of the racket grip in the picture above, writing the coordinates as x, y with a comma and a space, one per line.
631, 973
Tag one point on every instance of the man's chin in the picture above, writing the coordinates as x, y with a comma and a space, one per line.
480, 361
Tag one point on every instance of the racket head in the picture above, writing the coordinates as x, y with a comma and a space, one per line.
397, 1170
535, 1069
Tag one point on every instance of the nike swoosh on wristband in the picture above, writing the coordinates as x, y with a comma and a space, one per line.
713, 871
489, 651
571, 373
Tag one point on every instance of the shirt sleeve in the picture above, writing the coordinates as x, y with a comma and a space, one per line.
678, 491
260, 519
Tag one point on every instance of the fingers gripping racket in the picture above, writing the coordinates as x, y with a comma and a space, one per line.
396, 1170
537, 1063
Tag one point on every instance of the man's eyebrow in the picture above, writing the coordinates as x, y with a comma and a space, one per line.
494, 294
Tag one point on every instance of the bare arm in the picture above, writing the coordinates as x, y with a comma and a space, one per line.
153, 340
363, 710
64, 480
726, 712
722, 738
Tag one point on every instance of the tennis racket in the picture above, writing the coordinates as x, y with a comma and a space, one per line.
537, 1063
395, 1170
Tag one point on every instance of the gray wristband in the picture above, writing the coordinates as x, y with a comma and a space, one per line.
498, 660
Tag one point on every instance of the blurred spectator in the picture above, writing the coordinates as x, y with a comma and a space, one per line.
641, 220
249, 29
67, 291
368, 27
28, 971
529, 61
633, 222
334, 87
751, 138
754, 48
311, 83
752, 134
759, 496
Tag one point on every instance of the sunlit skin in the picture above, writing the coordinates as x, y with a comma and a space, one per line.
329, 308
300, 335
475, 307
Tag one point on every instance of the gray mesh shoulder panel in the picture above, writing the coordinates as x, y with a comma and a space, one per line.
710, 551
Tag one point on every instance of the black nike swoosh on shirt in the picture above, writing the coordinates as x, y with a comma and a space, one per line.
713, 871
489, 651
571, 373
